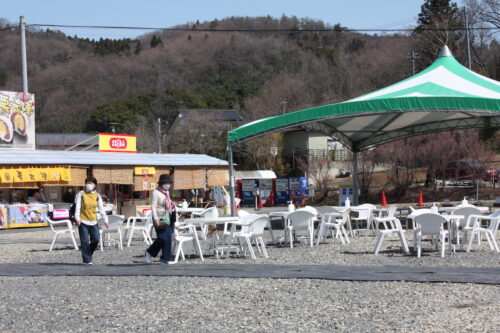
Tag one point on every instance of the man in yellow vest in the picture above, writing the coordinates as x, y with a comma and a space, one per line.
88, 202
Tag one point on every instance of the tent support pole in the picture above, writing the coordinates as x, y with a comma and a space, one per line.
355, 177
231, 176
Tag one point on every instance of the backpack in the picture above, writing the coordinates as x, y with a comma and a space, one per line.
72, 209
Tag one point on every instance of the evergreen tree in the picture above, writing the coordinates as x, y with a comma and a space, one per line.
438, 21
155, 41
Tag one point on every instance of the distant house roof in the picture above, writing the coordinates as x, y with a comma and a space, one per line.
66, 139
220, 115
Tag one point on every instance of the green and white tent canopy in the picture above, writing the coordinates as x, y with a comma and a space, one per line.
444, 96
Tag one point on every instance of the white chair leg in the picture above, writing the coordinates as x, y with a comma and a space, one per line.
471, 239
120, 238
53, 242
182, 251
403, 242
379, 243
101, 240
178, 252
130, 237
443, 241
72, 234
491, 237
345, 234
339, 233
291, 237
198, 247
264, 250
320, 234
311, 236
419, 245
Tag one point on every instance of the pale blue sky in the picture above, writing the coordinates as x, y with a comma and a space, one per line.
167, 13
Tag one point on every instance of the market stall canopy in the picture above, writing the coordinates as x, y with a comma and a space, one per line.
51, 157
444, 96
255, 174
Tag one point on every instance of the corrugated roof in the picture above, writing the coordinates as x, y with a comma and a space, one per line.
65, 139
37, 157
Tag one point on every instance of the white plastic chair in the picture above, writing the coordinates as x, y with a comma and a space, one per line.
115, 224
210, 212
245, 221
334, 220
143, 224
310, 209
430, 224
416, 212
392, 226
364, 215
464, 223
57, 229
301, 220
189, 235
255, 231
489, 231
387, 219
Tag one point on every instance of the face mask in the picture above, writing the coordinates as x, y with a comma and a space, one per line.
89, 187
166, 187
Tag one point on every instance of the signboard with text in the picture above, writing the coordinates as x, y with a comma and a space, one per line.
17, 120
117, 143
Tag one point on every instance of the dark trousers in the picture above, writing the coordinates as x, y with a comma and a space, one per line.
88, 246
162, 242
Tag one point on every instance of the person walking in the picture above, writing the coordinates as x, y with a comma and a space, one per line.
88, 202
163, 214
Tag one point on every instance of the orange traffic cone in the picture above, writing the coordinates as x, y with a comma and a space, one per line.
384, 200
259, 202
420, 199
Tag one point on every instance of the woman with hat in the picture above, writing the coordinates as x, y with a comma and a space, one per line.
163, 214
87, 203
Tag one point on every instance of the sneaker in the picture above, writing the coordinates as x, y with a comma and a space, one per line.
88, 263
147, 257
167, 262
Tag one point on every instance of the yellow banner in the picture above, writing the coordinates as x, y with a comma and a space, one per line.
117, 143
30, 175
144, 170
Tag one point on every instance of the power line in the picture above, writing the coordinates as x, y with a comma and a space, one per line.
255, 30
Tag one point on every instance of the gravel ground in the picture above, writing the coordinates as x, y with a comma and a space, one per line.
32, 246
145, 303
72, 304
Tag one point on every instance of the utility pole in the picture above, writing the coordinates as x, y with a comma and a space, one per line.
467, 39
283, 106
159, 135
24, 62
413, 56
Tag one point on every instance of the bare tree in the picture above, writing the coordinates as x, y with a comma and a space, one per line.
486, 10
319, 172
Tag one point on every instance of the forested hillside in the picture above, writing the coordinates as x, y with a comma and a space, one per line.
83, 85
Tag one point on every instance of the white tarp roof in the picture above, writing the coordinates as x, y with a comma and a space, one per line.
41, 157
255, 174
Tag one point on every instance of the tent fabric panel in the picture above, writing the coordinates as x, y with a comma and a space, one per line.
432, 127
473, 104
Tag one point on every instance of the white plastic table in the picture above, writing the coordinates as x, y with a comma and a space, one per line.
217, 221
179, 211
449, 210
